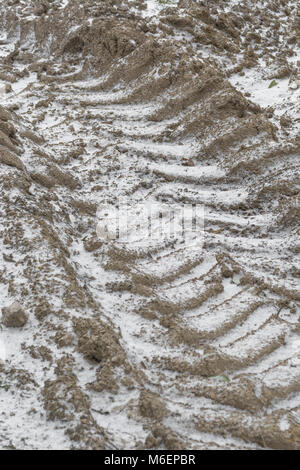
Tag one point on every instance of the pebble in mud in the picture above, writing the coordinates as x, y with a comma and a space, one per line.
14, 316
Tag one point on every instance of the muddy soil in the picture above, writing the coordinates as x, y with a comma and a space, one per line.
160, 344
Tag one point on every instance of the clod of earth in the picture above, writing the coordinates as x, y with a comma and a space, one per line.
14, 316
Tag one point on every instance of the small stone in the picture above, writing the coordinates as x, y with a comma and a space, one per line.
14, 316
188, 162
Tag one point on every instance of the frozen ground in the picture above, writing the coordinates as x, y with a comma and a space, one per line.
150, 344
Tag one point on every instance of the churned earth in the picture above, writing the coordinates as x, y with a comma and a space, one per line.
159, 345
